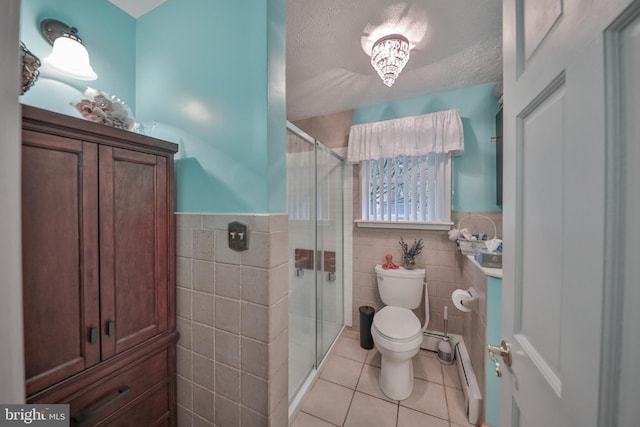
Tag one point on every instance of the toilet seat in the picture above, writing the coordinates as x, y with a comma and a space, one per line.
397, 324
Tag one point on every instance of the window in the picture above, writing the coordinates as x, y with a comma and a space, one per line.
407, 188
405, 169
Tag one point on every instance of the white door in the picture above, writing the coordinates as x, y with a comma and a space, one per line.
560, 59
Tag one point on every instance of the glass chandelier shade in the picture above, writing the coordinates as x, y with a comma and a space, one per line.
389, 55
68, 55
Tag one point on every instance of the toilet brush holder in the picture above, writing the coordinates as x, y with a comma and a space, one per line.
445, 351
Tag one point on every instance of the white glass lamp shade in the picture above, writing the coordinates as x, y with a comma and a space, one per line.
70, 57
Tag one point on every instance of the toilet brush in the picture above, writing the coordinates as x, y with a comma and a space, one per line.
445, 354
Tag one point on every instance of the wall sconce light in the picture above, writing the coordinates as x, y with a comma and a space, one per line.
68, 56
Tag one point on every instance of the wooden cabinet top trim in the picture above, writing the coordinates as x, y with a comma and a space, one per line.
53, 123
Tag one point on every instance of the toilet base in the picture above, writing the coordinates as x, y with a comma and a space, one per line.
396, 378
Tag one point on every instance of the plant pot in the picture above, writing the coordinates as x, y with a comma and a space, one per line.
409, 262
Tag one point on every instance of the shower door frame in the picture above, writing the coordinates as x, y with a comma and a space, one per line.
346, 209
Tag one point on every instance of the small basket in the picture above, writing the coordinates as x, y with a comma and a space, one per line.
468, 247
30, 65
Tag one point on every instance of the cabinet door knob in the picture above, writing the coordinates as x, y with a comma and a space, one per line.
93, 335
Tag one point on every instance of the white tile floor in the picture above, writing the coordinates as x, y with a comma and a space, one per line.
347, 392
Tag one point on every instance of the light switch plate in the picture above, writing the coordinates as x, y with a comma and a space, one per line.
238, 235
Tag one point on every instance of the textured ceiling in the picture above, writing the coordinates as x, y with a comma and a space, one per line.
456, 43
137, 8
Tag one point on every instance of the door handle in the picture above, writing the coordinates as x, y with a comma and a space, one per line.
111, 328
85, 415
503, 351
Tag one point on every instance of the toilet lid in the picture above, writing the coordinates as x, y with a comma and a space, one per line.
396, 323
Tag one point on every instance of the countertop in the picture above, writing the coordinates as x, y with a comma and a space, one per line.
493, 272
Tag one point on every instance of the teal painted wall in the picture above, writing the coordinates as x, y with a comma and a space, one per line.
209, 74
494, 334
212, 75
106, 31
474, 173
277, 111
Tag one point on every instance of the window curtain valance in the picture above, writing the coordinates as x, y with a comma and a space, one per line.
439, 132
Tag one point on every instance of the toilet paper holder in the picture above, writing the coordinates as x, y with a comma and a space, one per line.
472, 302
465, 300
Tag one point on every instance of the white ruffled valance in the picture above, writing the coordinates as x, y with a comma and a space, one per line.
439, 132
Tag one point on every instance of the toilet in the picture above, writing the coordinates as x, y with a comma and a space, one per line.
396, 330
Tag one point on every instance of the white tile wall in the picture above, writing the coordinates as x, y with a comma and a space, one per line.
232, 317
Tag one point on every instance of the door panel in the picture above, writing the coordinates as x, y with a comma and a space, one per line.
554, 209
539, 16
60, 265
539, 284
133, 232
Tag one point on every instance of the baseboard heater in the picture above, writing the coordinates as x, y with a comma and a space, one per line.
472, 396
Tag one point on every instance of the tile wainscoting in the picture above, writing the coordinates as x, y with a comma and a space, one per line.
443, 263
475, 328
438, 258
232, 310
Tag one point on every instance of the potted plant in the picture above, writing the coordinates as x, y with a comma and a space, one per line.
409, 254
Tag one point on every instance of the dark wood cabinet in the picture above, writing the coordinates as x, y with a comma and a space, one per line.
98, 270
60, 252
133, 247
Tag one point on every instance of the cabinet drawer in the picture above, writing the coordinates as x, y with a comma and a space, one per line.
149, 410
91, 405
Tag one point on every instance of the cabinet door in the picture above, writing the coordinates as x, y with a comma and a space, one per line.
133, 247
60, 258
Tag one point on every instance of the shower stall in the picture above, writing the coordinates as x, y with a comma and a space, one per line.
316, 275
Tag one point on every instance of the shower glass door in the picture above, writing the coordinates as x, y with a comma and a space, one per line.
301, 207
316, 290
329, 277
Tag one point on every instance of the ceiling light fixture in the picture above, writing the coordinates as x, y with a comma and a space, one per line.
389, 55
69, 56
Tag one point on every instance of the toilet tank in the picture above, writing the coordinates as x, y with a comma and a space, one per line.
400, 287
